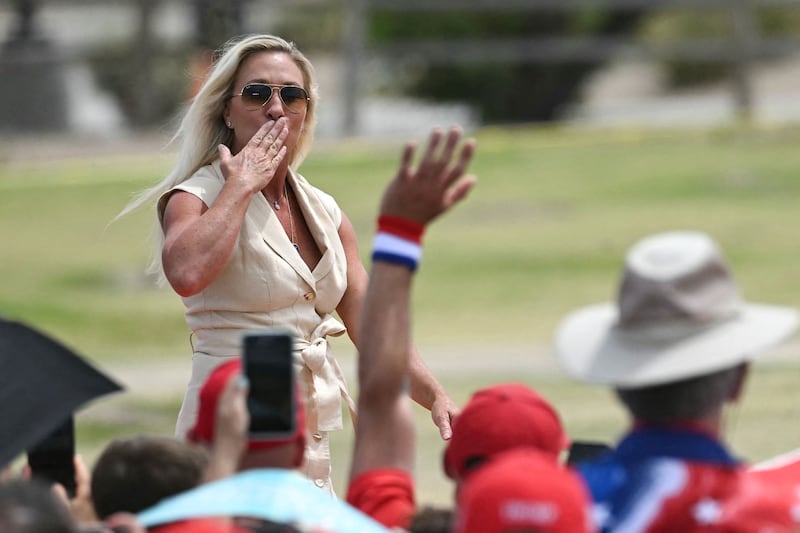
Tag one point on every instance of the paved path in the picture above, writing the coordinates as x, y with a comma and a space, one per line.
165, 378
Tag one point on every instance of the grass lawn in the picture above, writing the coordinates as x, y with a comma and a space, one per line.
543, 233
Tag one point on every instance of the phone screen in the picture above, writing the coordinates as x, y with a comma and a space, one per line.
267, 362
52, 459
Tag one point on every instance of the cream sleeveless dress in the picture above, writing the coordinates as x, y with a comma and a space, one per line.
266, 283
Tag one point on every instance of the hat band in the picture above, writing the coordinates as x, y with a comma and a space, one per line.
670, 331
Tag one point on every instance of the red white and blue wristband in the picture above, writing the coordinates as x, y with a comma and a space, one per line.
398, 241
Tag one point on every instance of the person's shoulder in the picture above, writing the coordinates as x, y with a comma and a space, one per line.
784, 466
766, 495
206, 184
207, 176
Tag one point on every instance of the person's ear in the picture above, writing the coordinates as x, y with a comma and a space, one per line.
226, 115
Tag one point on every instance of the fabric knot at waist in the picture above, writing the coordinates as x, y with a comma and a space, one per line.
324, 380
314, 355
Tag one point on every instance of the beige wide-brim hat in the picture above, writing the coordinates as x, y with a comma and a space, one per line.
678, 315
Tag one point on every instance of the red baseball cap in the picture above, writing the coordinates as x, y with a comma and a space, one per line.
499, 418
203, 430
523, 489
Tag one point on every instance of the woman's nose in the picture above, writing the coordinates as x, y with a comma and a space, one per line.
274, 106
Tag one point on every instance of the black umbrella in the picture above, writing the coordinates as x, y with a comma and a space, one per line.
42, 383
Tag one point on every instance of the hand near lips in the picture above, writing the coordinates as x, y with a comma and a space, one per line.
255, 164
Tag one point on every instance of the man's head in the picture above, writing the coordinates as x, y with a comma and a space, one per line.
684, 400
133, 474
678, 316
261, 453
522, 490
499, 418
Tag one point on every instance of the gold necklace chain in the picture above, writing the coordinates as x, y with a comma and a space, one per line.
291, 220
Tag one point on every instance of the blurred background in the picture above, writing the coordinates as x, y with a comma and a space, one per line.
116, 68
598, 121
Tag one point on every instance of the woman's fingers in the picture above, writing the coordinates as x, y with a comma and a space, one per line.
265, 150
276, 144
261, 133
269, 133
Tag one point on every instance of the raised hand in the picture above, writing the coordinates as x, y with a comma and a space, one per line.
230, 430
436, 184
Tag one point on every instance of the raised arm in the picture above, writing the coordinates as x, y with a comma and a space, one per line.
424, 388
416, 196
198, 240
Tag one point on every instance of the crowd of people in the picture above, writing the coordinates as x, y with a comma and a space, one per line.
248, 243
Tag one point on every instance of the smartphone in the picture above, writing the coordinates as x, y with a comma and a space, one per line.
267, 361
52, 459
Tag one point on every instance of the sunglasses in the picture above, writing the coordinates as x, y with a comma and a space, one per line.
258, 94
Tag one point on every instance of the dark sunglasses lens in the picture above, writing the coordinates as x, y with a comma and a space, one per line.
295, 98
256, 94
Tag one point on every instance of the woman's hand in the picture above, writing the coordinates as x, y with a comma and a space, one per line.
443, 413
255, 165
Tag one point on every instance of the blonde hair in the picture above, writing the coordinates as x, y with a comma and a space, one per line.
202, 128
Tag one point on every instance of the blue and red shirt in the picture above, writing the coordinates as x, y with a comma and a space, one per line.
667, 479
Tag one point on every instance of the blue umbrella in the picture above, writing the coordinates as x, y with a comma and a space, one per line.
274, 494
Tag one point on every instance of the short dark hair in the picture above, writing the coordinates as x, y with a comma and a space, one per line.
133, 474
30, 506
681, 400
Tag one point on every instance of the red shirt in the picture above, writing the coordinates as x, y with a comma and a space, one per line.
384, 494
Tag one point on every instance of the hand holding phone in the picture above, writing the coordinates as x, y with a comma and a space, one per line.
267, 362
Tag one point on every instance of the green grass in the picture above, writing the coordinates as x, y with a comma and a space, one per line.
544, 232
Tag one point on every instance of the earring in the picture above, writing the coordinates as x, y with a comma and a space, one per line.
228, 123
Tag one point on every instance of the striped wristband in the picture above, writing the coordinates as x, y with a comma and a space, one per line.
398, 241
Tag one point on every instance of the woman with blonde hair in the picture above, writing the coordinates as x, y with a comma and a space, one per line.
248, 242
